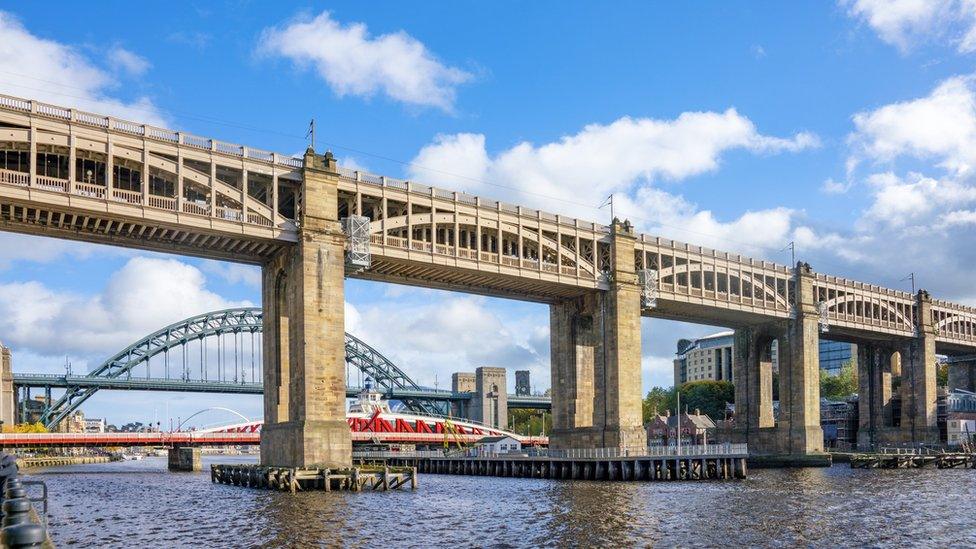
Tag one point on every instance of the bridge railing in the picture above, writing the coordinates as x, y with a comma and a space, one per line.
144, 130
690, 450
687, 272
685, 450
953, 321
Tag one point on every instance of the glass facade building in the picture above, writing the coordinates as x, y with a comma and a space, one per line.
835, 354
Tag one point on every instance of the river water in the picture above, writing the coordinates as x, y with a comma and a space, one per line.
140, 504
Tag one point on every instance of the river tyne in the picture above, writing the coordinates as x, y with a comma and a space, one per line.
140, 504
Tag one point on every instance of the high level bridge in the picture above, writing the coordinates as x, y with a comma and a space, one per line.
309, 223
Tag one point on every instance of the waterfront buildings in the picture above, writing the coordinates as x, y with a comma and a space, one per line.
835, 354
94, 425
710, 357
696, 428
498, 445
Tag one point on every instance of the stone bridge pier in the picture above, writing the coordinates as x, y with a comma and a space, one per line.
596, 359
797, 430
904, 367
962, 375
304, 348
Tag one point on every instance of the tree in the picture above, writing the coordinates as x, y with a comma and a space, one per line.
942, 375
707, 396
30, 428
657, 401
527, 422
840, 386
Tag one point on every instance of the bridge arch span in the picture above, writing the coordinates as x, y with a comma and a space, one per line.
387, 375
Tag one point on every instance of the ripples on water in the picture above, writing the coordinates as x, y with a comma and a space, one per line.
139, 503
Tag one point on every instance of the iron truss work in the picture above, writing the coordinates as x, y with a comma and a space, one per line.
117, 371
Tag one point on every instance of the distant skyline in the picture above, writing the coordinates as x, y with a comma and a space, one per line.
846, 128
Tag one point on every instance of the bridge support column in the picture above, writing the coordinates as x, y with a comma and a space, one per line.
184, 459
876, 370
962, 375
799, 373
797, 430
753, 374
304, 345
918, 363
596, 360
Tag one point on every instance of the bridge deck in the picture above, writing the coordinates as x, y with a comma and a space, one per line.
176, 192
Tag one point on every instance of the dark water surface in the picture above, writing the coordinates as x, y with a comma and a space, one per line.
140, 504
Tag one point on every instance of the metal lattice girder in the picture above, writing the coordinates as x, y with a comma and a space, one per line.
824, 319
249, 320
647, 279
356, 228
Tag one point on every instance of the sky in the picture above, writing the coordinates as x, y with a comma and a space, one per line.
847, 128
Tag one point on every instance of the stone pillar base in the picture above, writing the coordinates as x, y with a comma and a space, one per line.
923, 435
633, 438
306, 444
803, 440
184, 459
762, 441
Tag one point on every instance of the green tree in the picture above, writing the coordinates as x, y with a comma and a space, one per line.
528, 422
707, 396
657, 401
840, 386
942, 375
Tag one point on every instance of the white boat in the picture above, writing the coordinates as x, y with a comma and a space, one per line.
132, 457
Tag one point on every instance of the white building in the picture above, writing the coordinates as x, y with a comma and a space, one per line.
960, 430
498, 445
93, 425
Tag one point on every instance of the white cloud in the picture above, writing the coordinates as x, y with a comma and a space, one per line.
128, 61
623, 158
915, 159
940, 127
441, 333
37, 68
234, 273
354, 63
832, 186
907, 23
141, 297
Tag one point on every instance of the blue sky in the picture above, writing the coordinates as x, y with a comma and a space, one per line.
849, 128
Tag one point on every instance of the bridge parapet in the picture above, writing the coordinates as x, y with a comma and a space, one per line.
122, 182
521, 251
954, 323
863, 306
690, 275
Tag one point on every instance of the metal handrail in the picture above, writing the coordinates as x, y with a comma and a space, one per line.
690, 450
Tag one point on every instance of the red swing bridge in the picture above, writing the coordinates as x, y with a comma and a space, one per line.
376, 427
